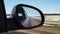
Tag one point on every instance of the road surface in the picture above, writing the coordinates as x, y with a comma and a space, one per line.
39, 30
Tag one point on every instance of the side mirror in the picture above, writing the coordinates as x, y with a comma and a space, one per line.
22, 17
27, 17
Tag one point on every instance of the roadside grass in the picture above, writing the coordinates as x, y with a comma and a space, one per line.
52, 22
49, 29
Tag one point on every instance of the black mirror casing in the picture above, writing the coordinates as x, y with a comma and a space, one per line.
13, 22
16, 19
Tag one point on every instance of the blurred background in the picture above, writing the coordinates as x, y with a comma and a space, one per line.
51, 10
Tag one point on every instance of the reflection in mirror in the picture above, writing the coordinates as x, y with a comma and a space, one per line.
19, 14
33, 17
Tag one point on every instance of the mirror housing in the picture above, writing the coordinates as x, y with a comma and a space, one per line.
16, 19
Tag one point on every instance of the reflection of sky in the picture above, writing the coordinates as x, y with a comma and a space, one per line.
46, 6
31, 12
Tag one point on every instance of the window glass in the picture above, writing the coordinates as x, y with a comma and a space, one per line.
51, 10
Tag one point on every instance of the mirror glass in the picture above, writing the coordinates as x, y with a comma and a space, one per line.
33, 17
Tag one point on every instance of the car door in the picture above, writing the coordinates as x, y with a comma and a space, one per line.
3, 23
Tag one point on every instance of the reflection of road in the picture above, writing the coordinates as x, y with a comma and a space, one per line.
34, 21
31, 22
26, 23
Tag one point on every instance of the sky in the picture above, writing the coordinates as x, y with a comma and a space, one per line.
31, 12
46, 6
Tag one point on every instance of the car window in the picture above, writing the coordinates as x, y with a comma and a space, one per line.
50, 8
